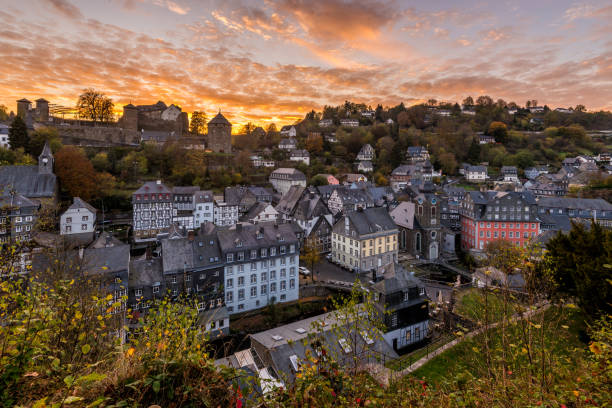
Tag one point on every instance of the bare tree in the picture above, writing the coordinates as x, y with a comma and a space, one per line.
95, 105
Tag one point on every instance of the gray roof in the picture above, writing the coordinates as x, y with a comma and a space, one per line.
177, 255
371, 220
152, 187
310, 207
191, 190
289, 200
478, 169
255, 210
219, 119
509, 169
78, 203
290, 173
396, 279
145, 272
575, 203
558, 222
234, 195
107, 259
403, 214
300, 153
16, 200
27, 181
204, 196
159, 136
259, 191
247, 236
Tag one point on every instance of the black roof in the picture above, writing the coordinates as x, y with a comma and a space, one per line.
27, 181
371, 220
219, 119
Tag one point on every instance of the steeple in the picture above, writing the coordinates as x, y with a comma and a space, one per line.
45, 160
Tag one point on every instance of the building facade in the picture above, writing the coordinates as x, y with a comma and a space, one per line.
203, 208
152, 210
183, 205
79, 218
282, 179
365, 240
220, 134
261, 265
18, 216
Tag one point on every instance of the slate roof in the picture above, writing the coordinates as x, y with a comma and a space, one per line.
396, 279
300, 153
145, 272
403, 214
255, 210
556, 222
247, 235
204, 196
159, 136
16, 200
289, 200
27, 181
478, 169
147, 108
371, 220
219, 119
292, 174
310, 207
177, 255
152, 187
114, 259
416, 150
78, 203
575, 203
286, 128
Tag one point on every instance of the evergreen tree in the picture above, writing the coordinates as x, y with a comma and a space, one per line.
473, 155
18, 134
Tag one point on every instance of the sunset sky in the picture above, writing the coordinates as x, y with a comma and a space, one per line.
274, 60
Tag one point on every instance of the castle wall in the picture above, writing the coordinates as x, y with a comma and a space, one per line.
98, 136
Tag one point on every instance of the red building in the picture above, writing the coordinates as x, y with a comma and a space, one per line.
490, 216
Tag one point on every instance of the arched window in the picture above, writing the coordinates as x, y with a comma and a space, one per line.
433, 212
417, 242
420, 210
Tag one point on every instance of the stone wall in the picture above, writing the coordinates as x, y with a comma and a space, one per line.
101, 136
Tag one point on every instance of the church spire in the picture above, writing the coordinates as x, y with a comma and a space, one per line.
45, 160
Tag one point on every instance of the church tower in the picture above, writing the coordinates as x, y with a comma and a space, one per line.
45, 160
220, 134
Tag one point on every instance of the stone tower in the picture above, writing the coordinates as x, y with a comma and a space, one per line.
130, 117
220, 134
23, 107
45, 160
42, 110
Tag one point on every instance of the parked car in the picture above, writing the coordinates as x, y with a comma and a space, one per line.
328, 256
304, 271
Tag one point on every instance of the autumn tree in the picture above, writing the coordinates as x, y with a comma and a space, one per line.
18, 134
75, 172
580, 108
248, 128
499, 131
469, 101
198, 123
448, 162
314, 143
96, 106
41, 136
310, 255
3, 113
484, 100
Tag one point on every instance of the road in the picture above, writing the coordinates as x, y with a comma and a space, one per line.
327, 271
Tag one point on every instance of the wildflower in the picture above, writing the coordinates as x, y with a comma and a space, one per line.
130, 352
576, 393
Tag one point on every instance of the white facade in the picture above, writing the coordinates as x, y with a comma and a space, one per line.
300, 156
77, 219
269, 214
224, 214
405, 336
349, 122
476, 175
291, 132
204, 211
282, 179
251, 285
326, 122
4, 140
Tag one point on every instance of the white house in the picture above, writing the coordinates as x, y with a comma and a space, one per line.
300, 155
510, 173
79, 218
476, 174
366, 153
261, 212
224, 214
288, 144
288, 131
204, 208
261, 265
4, 140
326, 122
349, 122
259, 161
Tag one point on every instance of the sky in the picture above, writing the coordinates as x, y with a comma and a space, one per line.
274, 60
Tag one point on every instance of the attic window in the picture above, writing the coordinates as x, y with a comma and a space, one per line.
345, 346
238, 243
276, 337
259, 235
300, 330
294, 362
212, 242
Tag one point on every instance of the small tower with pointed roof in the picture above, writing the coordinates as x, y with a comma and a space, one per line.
45, 160
220, 134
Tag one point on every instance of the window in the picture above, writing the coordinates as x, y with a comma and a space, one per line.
511, 234
282, 261
253, 278
283, 273
138, 292
253, 266
240, 256
264, 264
421, 291
156, 289
254, 291
292, 259
253, 254
273, 287
292, 271
416, 333
68, 219
230, 257
283, 297
68, 228
345, 345
85, 218
230, 283
173, 279
264, 252
230, 270
283, 285
272, 262
241, 281
201, 306
264, 289
272, 275
240, 294
408, 336
202, 276
229, 297
83, 227
292, 284
282, 249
